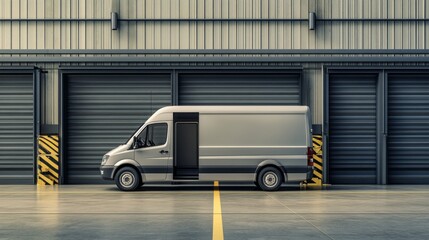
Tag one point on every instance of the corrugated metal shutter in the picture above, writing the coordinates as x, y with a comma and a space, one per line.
408, 128
102, 112
16, 129
352, 129
240, 89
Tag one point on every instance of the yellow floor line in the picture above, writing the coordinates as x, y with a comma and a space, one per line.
217, 214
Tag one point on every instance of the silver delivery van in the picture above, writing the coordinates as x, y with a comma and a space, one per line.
267, 145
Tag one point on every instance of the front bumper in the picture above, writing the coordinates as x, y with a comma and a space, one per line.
106, 172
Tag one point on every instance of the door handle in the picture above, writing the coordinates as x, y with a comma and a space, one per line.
163, 152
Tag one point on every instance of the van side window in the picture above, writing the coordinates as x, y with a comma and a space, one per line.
154, 135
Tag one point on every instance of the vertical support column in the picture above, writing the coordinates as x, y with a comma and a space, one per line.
174, 88
381, 129
36, 117
62, 122
384, 130
304, 90
325, 127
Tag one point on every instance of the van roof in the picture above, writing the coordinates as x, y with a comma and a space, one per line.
228, 109
234, 109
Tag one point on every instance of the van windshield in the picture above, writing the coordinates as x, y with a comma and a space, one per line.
134, 133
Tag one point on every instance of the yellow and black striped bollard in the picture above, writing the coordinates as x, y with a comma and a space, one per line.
47, 160
317, 180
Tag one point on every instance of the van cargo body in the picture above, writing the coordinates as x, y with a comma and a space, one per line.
267, 145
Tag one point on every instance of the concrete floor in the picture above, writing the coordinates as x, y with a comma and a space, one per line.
186, 212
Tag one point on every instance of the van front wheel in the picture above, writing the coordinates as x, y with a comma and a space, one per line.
127, 179
270, 179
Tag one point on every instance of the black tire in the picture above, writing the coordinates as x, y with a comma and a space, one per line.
127, 179
270, 179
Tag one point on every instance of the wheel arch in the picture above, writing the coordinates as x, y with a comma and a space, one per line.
126, 163
269, 163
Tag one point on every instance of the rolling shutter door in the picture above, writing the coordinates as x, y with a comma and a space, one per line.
240, 89
16, 129
352, 129
102, 112
408, 129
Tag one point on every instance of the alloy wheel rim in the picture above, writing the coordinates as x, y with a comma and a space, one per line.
270, 179
127, 179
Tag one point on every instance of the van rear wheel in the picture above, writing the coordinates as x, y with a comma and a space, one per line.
127, 179
270, 179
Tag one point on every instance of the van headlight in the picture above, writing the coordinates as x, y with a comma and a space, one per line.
104, 160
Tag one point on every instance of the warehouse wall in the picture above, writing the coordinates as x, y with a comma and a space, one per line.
210, 35
217, 35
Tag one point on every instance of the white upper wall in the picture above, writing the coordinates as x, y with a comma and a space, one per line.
214, 35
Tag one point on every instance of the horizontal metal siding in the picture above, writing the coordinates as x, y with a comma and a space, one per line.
408, 128
16, 129
102, 112
352, 129
239, 89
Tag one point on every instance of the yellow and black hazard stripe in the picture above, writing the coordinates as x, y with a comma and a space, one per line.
317, 161
318, 156
48, 160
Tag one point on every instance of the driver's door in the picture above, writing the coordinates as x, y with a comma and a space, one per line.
153, 151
